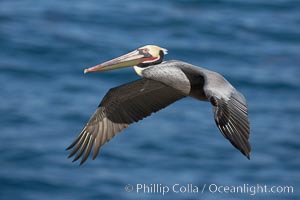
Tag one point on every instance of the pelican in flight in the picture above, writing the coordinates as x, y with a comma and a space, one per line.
162, 84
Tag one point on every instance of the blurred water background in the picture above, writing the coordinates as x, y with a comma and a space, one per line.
46, 99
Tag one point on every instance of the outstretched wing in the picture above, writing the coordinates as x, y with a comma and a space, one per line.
120, 107
230, 112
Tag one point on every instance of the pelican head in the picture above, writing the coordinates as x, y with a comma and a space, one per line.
141, 57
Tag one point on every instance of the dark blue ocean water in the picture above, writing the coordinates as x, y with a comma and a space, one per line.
46, 99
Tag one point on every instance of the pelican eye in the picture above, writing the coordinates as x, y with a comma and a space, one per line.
145, 52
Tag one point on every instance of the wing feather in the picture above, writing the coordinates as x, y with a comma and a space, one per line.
231, 118
120, 107
230, 111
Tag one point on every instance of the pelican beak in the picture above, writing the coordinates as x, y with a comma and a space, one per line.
131, 59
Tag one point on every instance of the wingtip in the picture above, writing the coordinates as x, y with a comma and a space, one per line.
95, 154
81, 163
248, 156
76, 158
68, 148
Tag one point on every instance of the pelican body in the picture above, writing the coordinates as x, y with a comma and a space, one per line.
162, 84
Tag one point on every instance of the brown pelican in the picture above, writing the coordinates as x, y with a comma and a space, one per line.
162, 84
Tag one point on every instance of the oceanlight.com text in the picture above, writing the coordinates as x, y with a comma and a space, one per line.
163, 189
